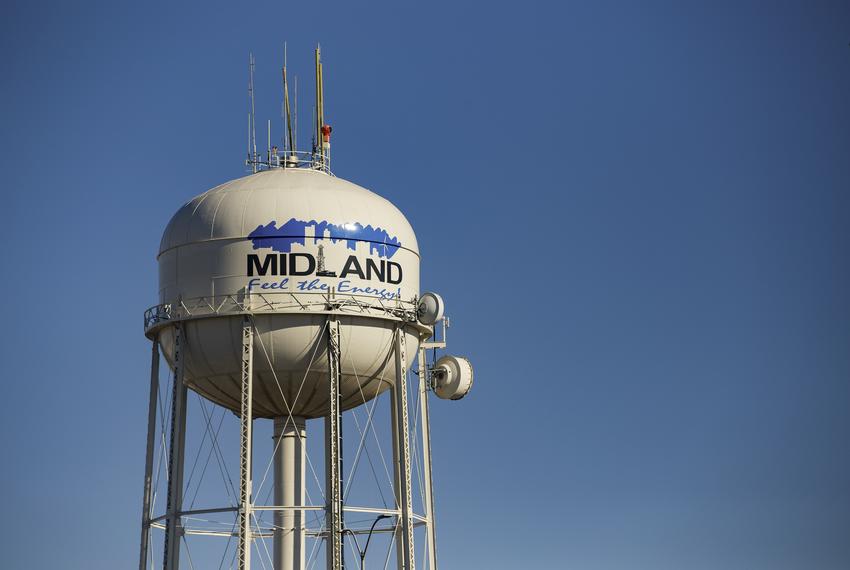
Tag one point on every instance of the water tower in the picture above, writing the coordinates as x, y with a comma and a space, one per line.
291, 295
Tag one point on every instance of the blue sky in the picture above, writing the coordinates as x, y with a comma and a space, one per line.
637, 213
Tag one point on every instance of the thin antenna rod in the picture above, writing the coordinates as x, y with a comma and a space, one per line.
253, 116
283, 111
295, 118
286, 101
248, 150
283, 120
313, 107
319, 118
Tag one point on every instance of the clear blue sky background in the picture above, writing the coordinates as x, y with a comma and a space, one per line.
637, 212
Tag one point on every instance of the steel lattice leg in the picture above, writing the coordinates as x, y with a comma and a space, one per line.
401, 457
333, 453
425, 422
246, 444
173, 525
146, 494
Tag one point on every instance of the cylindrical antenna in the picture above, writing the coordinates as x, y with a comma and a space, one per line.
322, 114
295, 119
318, 132
248, 151
323, 131
283, 143
253, 115
269, 144
286, 101
284, 115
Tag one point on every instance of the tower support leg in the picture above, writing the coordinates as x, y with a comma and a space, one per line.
333, 453
147, 492
177, 448
290, 437
246, 443
401, 457
425, 423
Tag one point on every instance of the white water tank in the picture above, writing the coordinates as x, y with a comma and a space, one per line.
252, 244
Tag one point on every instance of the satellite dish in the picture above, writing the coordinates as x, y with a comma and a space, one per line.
452, 377
430, 308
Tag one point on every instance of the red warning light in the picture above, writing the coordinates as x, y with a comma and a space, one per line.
326, 133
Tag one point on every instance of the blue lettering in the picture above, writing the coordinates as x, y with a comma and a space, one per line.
312, 285
255, 283
342, 286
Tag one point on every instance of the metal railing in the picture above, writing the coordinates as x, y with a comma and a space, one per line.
278, 158
280, 302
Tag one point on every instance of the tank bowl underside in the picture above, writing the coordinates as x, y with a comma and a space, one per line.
290, 361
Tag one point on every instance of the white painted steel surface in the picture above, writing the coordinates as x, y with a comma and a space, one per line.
202, 252
281, 217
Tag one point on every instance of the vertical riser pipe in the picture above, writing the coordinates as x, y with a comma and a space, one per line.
290, 440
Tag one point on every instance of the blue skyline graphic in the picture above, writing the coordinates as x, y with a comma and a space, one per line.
282, 238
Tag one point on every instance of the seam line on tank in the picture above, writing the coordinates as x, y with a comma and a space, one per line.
215, 213
249, 239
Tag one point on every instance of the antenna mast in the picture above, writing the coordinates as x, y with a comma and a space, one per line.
248, 150
252, 126
320, 111
320, 154
290, 142
323, 131
313, 110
